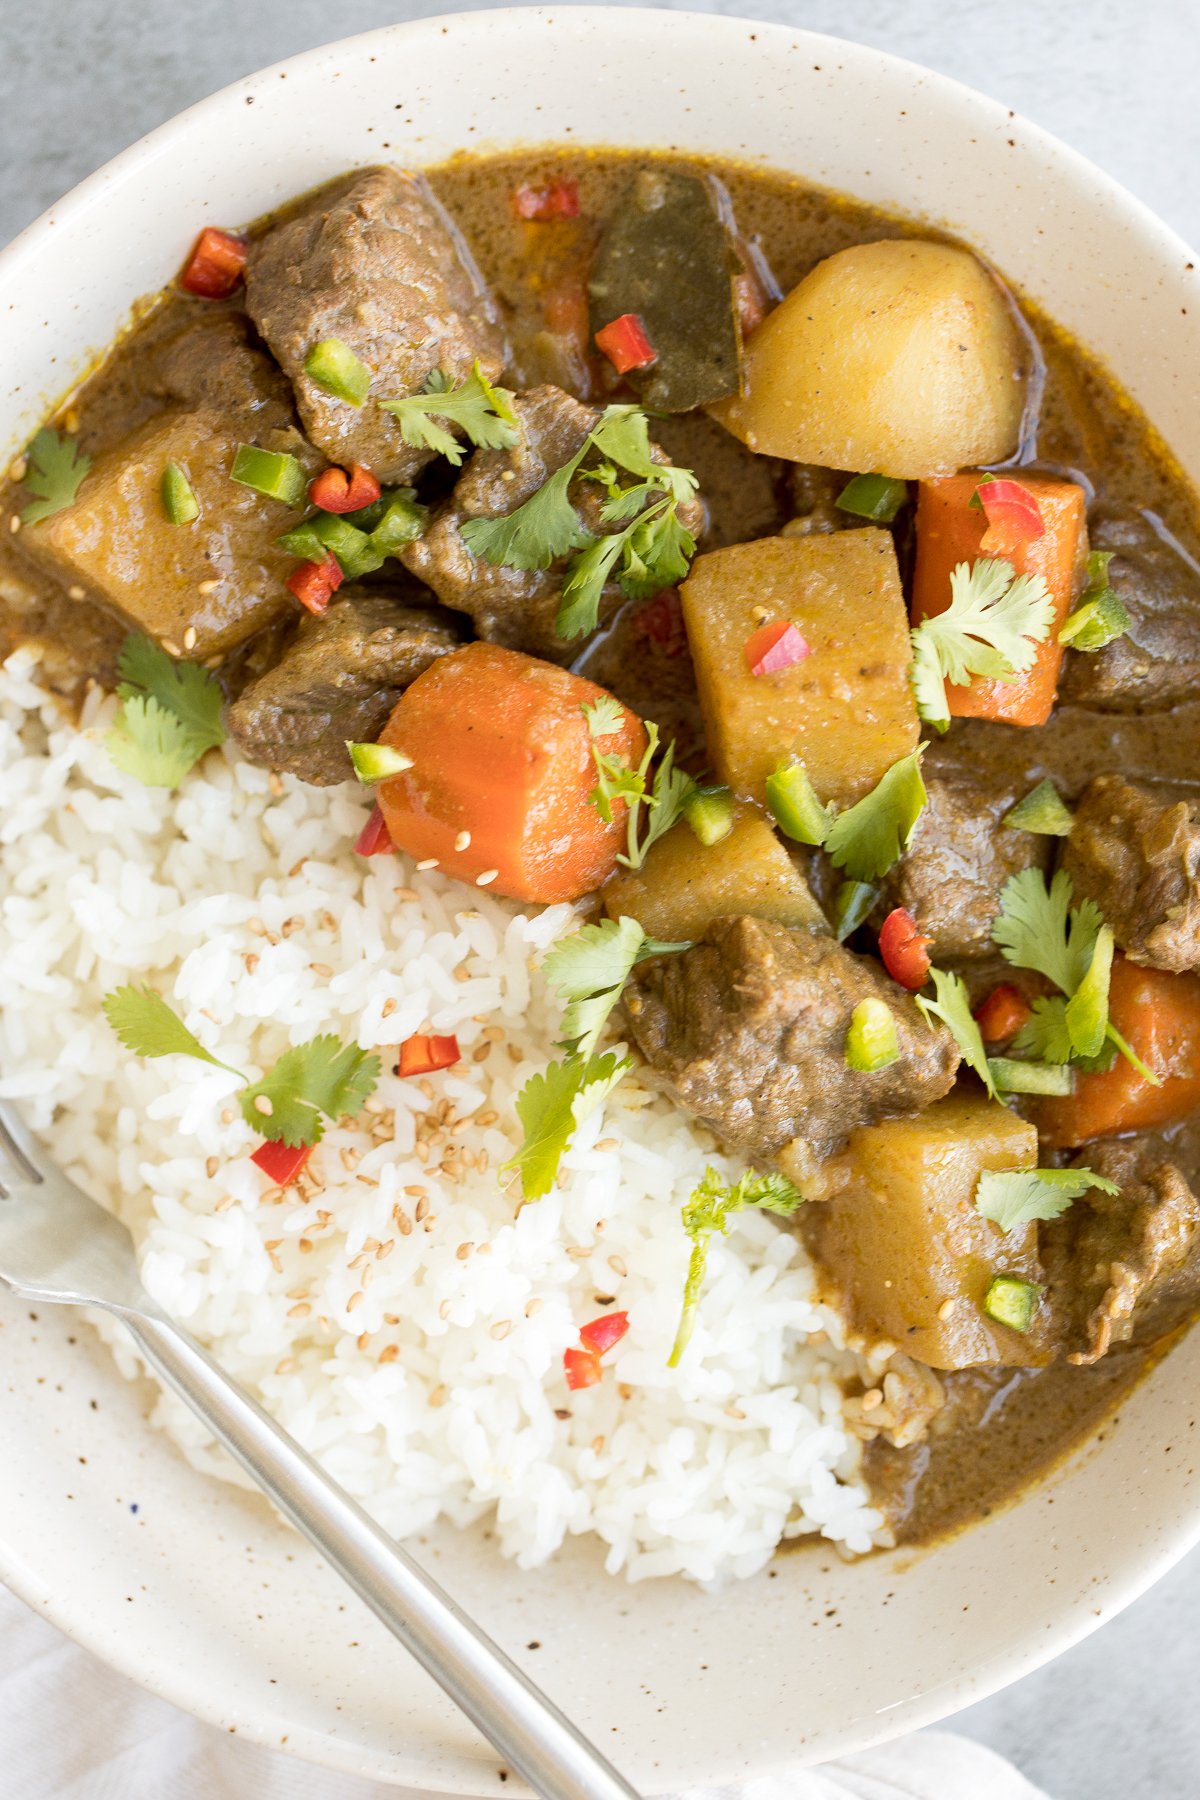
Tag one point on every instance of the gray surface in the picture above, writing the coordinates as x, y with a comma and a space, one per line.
1116, 1718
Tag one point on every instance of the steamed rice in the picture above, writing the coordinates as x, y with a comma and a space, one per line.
397, 1312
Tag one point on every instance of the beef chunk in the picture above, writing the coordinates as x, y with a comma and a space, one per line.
1157, 662
813, 492
213, 361
961, 857
748, 1029
1136, 853
376, 262
338, 681
1124, 1268
517, 607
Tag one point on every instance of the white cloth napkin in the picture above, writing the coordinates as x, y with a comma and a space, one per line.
73, 1729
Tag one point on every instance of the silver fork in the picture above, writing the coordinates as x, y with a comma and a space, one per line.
57, 1245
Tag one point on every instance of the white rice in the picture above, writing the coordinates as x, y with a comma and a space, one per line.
420, 1360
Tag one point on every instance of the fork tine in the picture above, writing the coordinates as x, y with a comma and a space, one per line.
18, 1141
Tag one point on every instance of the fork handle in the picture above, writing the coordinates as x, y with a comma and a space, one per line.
528, 1730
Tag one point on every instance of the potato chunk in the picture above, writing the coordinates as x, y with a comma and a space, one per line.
899, 357
847, 710
684, 885
902, 1241
223, 575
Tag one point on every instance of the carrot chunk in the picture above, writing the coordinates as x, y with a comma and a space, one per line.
950, 531
502, 770
1158, 1015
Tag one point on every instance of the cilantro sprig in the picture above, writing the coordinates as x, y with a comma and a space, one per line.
551, 1106
992, 627
661, 799
170, 714
321, 1077
952, 1005
55, 469
651, 550
1038, 928
708, 1213
1011, 1198
483, 413
589, 969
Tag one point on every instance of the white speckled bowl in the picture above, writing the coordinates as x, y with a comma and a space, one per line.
199, 1593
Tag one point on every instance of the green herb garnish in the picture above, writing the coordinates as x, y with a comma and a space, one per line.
951, 1004
993, 626
170, 714
1011, 1198
551, 1106
709, 1212
589, 970
663, 800
868, 837
55, 469
483, 413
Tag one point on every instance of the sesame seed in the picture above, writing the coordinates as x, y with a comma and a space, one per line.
385, 1249
355, 1301
487, 1118
481, 1161
208, 587
388, 1007
618, 1265
297, 1293
75, 592
321, 969
444, 1310
275, 784
427, 862
461, 974
403, 1223
438, 1396
224, 1203
758, 614
251, 960
368, 1275
18, 469
946, 1309
597, 1445
350, 1158
463, 841
488, 876
286, 1366
256, 926
422, 1206
463, 1251
871, 1399
500, 1329
171, 647
189, 638
227, 1115
304, 1246
262, 1104
578, 1252
14, 524
389, 1353
481, 1053
734, 1412
533, 1306
406, 893
211, 1166
326, 919
608, 1144
362, 1340
484, 1250
301, 1311
495, 1034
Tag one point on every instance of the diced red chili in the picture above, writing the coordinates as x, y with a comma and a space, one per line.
1002, 1014
661, 620
314, 584
601, 1334
558, 201
421, 1055
335, 491
905, 950
216, 266
625, 344
281, 1163
373, 839
582, 1368
1014, 517
777, 645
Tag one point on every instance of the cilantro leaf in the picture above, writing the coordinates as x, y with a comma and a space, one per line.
672, 790
623, 436
533, 536
146, 1025
321, 1076
664, 799
708, 1211
583, 588
874, 833
1037, 928
551, 1105
952, 1006
1011, 1198
652, 552
1044, 1034
170, 714
483, 413
1086, 1012
55, 470
589, 970
992, 627
604, 716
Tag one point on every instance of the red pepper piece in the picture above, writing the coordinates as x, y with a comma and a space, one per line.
314, 584
1001, 1015
216, 266
421, 1055
661, 620
279, 1162
775, 646
582, 1368
625, 344
601, 1334
558, 201
905, 951
373, 839
1014, 517
335, 491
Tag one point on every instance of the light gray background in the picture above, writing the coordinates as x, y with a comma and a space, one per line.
1117, 1718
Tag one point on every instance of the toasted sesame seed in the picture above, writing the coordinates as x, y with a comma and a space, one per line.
14, 523
618, 1265
301, 1311
262, 1104
481, 1161
462, 975
463, 841
487, 1118
608, 1144
871, 1399
211, 1166
304, 1245
297, 1293
578, 1252
389, 1353
500, 1329
355, 1301
421, 1152
388, 1007
362, 1340
533, 1306
171, 647
946, 1309
18, 468
75, 592
321, 969
250, 960
286, 1366
437, 1396
481, 1053
367, 1180
427, 862
598, 1445
385, 1249
463, 1251
406, 893
208, 587
350, 1157
484, 1250
325, 919
403, 1222
275, 784
734, 1412
486, 879
422, 1207
224, 1203
391, 1318
189, 638
368, 1275
444, 1310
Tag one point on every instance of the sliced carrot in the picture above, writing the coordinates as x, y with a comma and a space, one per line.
502, 770
1158, 1015
949, 530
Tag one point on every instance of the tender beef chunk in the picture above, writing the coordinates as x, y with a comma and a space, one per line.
1124, 1268
338, 681
748, 1030
1157, 662
376, 262
214, 362
961, 857
1136, 853
517, 607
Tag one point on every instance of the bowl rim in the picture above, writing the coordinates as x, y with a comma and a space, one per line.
1133, 1575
